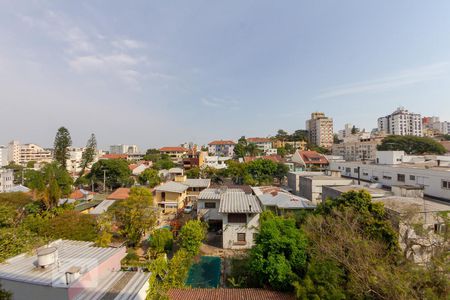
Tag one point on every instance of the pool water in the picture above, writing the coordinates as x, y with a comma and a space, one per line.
205, 273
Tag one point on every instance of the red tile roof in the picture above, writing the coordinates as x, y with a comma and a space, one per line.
119, 194
114, 156
227, 294
132, 166
259, 140
77, 194
221, 142
313, 157
173, 149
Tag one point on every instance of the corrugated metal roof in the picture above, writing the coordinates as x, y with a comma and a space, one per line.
227, 294
70, 253
276, 196
197, 183
172, 187
239, 203
102, 207
215, 194
116, 286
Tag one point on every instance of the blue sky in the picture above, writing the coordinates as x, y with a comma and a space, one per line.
157, 73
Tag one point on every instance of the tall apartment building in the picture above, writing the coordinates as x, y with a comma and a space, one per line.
320, 130
3, 156
24, 153
401, 122
123, 149
359, 148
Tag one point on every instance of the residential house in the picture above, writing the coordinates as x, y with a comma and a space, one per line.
72, 270
119, 194
263, 144
310, 160
298, 145
176, 154
216, 162
311, 186
240, 222
280, 201
221, 148
139, 167
227, 294
293, 179
357, 148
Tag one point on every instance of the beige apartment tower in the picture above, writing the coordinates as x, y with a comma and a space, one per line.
320, 130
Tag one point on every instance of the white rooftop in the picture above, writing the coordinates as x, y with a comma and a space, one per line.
239, 203
71, 254
102, 207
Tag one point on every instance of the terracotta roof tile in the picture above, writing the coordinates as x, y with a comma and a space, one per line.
259, 140
173, 149
222, 142
227, 294
114, 156
274, 158
119, 194
313, 157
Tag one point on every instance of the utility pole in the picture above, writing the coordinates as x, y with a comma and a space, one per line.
104, 181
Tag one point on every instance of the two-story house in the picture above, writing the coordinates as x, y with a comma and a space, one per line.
221, 148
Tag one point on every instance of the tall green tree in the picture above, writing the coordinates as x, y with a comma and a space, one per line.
150, 177
191, 236
62, 142
411, 145
116, 172
88, 155
136, 215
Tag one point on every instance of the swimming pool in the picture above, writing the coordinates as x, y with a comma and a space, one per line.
205, 273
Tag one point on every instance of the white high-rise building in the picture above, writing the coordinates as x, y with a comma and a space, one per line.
3, 156
6, 180
320, 130
123, 149
24, 153
401, 122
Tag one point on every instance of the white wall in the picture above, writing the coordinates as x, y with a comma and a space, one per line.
230, 231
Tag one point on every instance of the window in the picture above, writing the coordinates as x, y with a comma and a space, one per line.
241, 237
355, 170
412, 177
387, 177
237, 218
210, 204
440, 228
445, 184
401, 177
348, 170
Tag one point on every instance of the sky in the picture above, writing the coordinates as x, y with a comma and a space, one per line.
160, 73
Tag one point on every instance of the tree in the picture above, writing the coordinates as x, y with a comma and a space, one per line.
17, 171
163, 164
62, 142
14, 241
282, 151
88, 155
289, 148
240, 149
355, 130
252, 149
149, 177
191, 236
279, 256
116, 171
262, 170
136, 215
282, 135
8, 215
411, 145
336, 139
299, 135
5, 295
193, 172
161, 242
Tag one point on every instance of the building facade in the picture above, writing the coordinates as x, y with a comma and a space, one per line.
320, 130
24, 153
6, 180
221, 148
358, 149
123, 149
401, 122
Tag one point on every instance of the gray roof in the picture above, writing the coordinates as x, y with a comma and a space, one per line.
239, 203
286, 201
20, 188
70, 253
117, 286
197, 183
215, 194
176, 170
102, 207
172, 187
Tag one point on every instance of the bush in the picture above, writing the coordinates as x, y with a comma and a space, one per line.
161, 241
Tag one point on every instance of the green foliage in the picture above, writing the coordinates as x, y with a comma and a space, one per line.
445, 137
31, 164
163, 164
5, 295
8, 215
279, 255
318, 149
191, 236
256, 172
117, 173
88, 155
14, 241
49, 184
136, 215
372, 215
411, 145
161, 241
282, 151
17, 200
62, 142
149, 177
193, 173
168, 274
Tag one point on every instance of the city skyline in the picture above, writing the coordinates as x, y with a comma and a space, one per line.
167, 73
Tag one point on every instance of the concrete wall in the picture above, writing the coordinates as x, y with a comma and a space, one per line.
209, 213
230, 231
430, 179
27, 291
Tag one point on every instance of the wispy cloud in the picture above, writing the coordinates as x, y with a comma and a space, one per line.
127, 44
400, 79
216, 102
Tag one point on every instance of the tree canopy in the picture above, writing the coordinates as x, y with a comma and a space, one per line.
149, 177
62, 142
88, 155
411, 145
116, 171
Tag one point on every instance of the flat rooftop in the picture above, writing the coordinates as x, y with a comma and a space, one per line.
374, 192
408, 204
